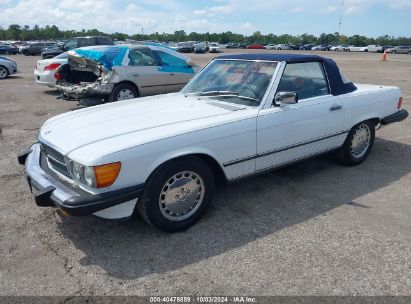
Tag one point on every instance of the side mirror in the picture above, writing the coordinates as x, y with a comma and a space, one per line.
285, 98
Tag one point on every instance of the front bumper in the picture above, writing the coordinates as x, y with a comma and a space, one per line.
396, 117
54, 191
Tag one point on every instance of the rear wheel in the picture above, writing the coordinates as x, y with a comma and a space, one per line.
394, 52
123, 91
358, 144
177, 194
3, 72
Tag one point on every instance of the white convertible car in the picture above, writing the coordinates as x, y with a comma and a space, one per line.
241, 115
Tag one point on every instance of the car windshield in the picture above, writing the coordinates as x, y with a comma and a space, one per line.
235, 81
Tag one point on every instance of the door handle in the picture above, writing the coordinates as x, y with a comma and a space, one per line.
136, 75
335, 108
171, 74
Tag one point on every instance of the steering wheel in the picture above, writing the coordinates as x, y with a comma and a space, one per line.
250, 89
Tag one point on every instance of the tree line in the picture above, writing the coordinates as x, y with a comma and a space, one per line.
25, 33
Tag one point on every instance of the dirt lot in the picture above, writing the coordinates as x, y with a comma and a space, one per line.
313, 228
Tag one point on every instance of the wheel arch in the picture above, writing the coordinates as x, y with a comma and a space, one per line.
129, 83
206, 157
371, 117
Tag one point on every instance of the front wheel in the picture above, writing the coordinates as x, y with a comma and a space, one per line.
358, 144
177, 194
3, 72
123, 91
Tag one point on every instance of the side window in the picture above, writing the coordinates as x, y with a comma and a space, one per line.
101, 41
140, 57
86, 42
170, 60
70, 44
306, 79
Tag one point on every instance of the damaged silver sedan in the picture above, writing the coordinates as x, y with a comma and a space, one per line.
101, 74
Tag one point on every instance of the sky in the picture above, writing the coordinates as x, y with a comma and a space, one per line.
371, 18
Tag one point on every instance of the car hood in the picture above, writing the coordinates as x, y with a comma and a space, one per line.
147, 119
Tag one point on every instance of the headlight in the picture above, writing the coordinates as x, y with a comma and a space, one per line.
89, 177
95, 177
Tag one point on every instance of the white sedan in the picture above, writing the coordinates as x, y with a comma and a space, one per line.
46, 68
241, 115
214, 48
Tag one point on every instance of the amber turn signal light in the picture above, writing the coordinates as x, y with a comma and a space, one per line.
107, 174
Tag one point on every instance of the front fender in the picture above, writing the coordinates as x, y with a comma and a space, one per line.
181, 153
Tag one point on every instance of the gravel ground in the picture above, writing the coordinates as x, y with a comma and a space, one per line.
315, 228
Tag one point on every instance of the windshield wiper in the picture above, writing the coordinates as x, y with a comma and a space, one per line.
212, 93
257, 101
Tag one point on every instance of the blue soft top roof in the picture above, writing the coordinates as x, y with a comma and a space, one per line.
337, 85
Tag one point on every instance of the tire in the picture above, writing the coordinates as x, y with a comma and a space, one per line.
123, 89
394, 52
159, 210
26, 53
4, 72
353, 153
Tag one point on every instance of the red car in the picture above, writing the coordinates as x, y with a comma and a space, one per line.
256, 46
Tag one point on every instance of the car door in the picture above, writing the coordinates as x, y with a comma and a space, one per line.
176, 70
288, 132
144, 71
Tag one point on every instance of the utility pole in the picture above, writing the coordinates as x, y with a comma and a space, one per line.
341, 14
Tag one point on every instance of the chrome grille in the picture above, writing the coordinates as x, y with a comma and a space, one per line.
55, 159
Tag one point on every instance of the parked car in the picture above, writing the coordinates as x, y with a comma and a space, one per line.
374, 48
271, 46
8, 49
46, 68
256, 46
163, 155
294, 46
282, 47
232, 46
200, 48
7, 67
174, 46
110, 73
185, 47
353, 48
339, 48
74, 43
36, 48
400, 50
320, 47
306, 47
214, 48
386, 47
